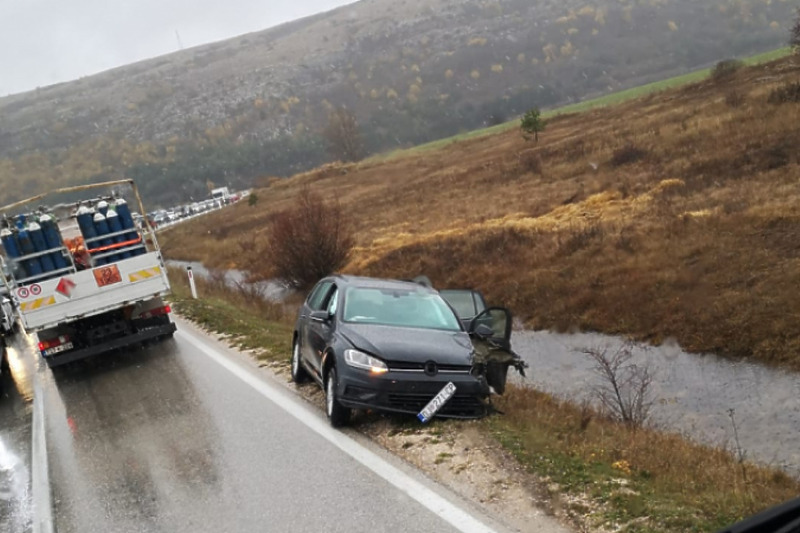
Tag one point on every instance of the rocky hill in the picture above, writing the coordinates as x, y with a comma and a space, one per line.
410, 71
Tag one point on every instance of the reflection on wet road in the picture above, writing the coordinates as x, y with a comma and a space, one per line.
693, 393
16, 406
164, 439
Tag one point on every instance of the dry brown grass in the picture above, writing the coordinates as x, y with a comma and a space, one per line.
671, 483
697, 239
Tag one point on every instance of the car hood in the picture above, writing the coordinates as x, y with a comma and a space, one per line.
412, 345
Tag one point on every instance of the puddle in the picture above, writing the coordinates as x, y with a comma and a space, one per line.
271, 290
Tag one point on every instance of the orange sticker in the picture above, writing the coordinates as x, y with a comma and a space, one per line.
107, 275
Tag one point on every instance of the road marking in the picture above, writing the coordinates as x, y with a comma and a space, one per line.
40, 477
447, 511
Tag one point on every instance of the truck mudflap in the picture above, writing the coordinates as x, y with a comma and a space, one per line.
152, 332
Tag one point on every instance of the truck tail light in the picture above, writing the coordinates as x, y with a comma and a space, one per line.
158, 311
53, 343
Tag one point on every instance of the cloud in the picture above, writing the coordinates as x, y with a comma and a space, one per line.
49, 41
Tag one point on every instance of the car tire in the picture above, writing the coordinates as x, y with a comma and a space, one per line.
338, 415
299, 374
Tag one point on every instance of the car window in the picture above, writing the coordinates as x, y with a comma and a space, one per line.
399, 307
466, 303
317, 299
333, 302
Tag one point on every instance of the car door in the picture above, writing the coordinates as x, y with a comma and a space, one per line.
314, 302
320, 329
490, 332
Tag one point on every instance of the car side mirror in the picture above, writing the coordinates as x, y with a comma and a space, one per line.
483, 331
320, 316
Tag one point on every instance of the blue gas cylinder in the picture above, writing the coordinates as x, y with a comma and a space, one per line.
32, 266
114, 226
40, 245
102, 207
52, 237
85, 218
11, 247
101, 228
126, 220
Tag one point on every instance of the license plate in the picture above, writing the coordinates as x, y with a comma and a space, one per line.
58, 349
437, 403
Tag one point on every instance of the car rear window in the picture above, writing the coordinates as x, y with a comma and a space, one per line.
399, 307
464, 302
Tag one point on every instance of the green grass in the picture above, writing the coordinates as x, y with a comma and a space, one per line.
579, 107
249, 324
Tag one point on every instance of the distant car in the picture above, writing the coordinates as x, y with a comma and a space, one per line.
393, 346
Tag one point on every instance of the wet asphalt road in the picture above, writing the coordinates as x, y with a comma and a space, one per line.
16, 408
168, 439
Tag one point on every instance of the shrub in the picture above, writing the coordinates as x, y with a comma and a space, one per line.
725, 69
533, 123
530, 161
789, 93
630, 153
794, 34
308, 242
734, 99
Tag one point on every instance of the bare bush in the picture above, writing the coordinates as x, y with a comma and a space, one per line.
308, 242
789, 93
734, 99
344, 136
530, 161
725, 69
794, 34
630, 153
624, 388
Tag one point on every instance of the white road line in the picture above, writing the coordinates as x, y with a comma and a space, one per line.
447, 511
40, 477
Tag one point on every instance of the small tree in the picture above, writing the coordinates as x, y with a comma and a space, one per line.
624, 388
343, 136
252, 199
308, 241
533, 123
794, 34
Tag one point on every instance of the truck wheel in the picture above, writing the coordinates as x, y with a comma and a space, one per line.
299, 374
338, 415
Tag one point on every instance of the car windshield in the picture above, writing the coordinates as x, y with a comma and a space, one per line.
399, 307
463, 301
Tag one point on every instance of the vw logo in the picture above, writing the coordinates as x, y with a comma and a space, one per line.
431, 369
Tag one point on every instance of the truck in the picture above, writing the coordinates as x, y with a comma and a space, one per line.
82, 275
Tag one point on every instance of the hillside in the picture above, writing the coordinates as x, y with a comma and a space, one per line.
229, 112
675, 215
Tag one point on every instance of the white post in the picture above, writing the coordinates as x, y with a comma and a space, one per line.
191, 282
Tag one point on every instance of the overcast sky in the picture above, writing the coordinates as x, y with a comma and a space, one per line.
49, 41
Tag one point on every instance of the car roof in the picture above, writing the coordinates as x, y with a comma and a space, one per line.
378, 283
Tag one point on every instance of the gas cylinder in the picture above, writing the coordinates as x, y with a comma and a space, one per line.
40, 245
32, 266
52, 236
12, 248
114, 226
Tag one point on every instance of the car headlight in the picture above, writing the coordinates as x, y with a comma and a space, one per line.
365, 362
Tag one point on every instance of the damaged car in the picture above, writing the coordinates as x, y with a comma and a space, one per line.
396, 346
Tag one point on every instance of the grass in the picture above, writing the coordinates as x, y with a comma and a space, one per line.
602, 473
672, 215
247, 321
637, 480
586, 105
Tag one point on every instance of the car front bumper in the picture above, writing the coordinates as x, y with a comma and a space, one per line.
409, 393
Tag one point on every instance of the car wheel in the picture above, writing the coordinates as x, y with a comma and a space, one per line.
299, 374
337, 413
